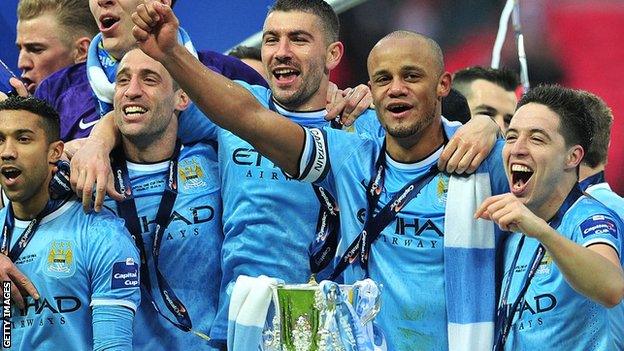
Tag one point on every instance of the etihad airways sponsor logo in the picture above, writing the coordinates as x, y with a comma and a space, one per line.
195, 215
259, 167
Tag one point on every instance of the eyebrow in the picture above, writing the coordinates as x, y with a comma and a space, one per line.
18, 131
23, 131
413, 68
402, 70
531, 131
539, 130
487, 108
142, 72
291, 33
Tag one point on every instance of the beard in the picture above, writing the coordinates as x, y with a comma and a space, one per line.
416, 127
310, 85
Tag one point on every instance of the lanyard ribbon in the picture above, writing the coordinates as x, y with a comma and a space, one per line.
29, 232
506, 311
127, 210
322, 250
361, 246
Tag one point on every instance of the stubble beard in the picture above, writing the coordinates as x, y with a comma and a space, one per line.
416, 128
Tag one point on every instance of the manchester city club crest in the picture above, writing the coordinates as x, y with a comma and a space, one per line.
545, 265
60, 261
442, 189
191, 174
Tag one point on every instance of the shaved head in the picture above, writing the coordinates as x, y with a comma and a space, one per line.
424, 44
408, 82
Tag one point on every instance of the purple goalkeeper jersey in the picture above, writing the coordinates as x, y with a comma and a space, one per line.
69, 92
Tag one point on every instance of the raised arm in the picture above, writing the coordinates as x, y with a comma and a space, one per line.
593, 271
226, 103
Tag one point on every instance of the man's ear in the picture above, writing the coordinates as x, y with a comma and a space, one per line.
81, 48
444, 85
55, 151
182, 100
575, 156
335, 51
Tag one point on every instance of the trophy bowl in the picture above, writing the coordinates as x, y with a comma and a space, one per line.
304, 317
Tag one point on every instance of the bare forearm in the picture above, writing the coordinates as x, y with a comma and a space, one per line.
232, 107
587, 271
106, 132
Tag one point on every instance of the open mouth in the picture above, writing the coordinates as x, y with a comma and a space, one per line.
10, 174
134, 110
520, 176
399, 107
285, 74
106, 22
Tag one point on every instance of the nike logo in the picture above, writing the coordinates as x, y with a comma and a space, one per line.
82, 125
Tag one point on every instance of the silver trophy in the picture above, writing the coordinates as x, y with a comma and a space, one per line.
319, 317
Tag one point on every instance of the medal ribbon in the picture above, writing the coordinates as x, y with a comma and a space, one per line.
360, 247
506, 312
127, 210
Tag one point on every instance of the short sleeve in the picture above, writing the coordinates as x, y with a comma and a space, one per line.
601, 228
113, 263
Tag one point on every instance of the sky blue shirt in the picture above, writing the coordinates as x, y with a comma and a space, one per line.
190, 249
555, 316
603, 193
75, 261
408, 257
269, 219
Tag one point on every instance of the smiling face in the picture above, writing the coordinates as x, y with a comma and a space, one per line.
41, 49
538, 163
26, 154
407, 84
145, 99
298, 59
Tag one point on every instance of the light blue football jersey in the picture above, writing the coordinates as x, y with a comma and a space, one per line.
603, 193
408, 257
555, 316
268, 219
190, 250
75, 260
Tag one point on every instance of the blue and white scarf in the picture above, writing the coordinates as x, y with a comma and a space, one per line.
469, 265
102, 68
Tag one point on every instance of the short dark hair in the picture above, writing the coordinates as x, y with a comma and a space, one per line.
502, 77
455, 107
575, 123
329, 19
603, 119
246, 52
50, 120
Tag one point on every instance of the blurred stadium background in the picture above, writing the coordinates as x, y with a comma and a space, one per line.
573, 42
